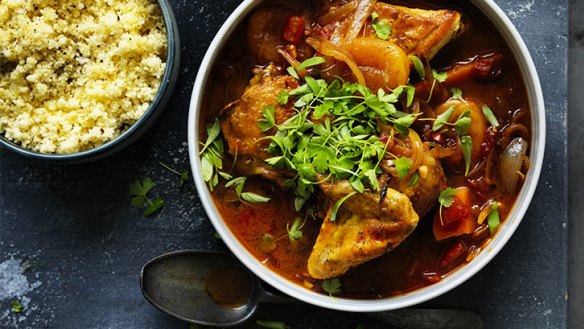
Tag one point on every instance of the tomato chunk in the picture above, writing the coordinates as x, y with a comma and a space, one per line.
457, 219
293, 29
452, 254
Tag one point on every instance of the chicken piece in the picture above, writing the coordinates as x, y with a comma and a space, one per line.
365, 228
417, 31
425, 192
239, 123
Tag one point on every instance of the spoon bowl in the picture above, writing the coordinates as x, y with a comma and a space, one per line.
214, 289
188, 285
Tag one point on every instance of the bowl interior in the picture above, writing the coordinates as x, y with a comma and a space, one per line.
133, 132
535, 98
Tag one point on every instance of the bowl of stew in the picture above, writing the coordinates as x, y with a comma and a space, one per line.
362, 155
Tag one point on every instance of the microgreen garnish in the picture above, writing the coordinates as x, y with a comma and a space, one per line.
462, 123
293, 72
184, 175
312, 61
250, 197
334, 134
282, 97
441, 77
456, 93
381, 27
338, 204
139, 192
443, 119
490, 115
493, 219
268, 121
418, 66
466, 143
446, 198
211, 155
272, 324
17, 306
403, 166
295, 231
415, 179
332, 286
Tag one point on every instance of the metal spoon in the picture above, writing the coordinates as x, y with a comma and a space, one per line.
214, 289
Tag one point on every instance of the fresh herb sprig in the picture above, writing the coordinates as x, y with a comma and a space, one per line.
250, 197
446, 199
381, 27
184, 175
139, 190
212, 156
332, 286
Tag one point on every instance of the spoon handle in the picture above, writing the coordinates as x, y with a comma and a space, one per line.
416, 318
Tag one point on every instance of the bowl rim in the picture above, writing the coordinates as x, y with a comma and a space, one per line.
172, 50
535, 98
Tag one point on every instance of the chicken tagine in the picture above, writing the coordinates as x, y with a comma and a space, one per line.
361, 148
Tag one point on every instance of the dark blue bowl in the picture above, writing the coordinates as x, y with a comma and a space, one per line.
146, 120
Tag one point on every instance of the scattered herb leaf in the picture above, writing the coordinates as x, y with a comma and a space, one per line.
403, 166
338, 204
418, 66
153, 206
17, 306
295, 231
463, 123
415, 179
443, 119
293, 72
493, 219
446, 198
381, 27
490, 115
456, 93
466, 143
139, 193
184, 175
441, 77
312, 61
332, 286
254, 198
268, 121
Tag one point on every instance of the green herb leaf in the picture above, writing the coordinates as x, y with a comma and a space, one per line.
466, 143
282, 97
441, 77
456, 93
381, 27
153, 206
17, 306
269, 120
338, 204
463, 123
313, 61
493, 219
138, 201
403, 166
138, 188
410, 92
293, 72
294, 231
446, 197
418, 66
443, 119
490, 115
332, 286
212, 133
272, 324
254, 198
415, 179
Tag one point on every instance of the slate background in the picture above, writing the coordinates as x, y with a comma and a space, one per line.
87, 244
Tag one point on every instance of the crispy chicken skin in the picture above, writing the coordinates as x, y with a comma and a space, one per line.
365, 228
239, 123
417, 31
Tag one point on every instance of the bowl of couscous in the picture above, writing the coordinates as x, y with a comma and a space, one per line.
81, 80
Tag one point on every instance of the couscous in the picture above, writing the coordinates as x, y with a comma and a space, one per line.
76, 74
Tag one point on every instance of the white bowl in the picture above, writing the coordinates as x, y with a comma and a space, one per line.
535, 100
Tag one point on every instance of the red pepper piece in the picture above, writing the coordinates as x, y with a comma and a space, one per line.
452, 254
293, 29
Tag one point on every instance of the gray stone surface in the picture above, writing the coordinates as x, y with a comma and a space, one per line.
576, 152
84, 245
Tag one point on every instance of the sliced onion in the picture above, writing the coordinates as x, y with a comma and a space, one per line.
337, 13
361, 14
326, 48
511, 162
